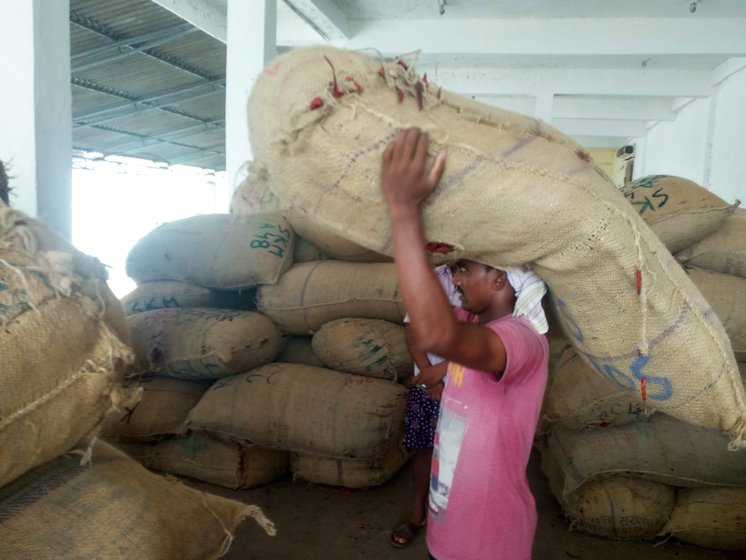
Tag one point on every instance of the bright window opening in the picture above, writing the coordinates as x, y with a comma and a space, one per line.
117, 200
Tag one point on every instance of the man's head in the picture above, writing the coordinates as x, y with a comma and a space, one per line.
492, 293
484, 290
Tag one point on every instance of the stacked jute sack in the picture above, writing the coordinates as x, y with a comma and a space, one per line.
65, 348
619, 470
514, 191
304, 377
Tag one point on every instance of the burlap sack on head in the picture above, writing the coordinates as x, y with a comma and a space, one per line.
710, 518
727, 296
678, 210
201, 457
722, 251
328, 241
166, 294
515, 190
64, 345
220, 251
305, 409
365, 346
114, 508
311, 294
161, 411
577, 397
254, 194
203, 343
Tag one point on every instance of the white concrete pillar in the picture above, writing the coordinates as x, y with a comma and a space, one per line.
35, 108
252, 42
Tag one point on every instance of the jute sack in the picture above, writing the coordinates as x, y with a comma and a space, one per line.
161, 411
722, 251
328, 241
661, 449
311, 294
623, 300
727, 296
114, 508
305, 409
678, 210
617, 507
305, 251
221, 251
299, 350
350, 473
201, 457
202, 343
64, 345
710, 518
254, 194
558, 342
365, 346
166, 294
577, 397
621, 507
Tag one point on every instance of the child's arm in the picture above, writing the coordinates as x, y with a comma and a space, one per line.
420, 357
431, 378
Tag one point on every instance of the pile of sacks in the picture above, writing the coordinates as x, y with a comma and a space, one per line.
258, 353
618, 468
517, 191
65, 348
650, 364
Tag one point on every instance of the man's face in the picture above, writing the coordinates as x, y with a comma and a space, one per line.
474, 282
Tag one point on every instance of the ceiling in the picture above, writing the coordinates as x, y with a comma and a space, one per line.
148, 76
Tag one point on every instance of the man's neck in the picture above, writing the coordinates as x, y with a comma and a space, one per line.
495, 314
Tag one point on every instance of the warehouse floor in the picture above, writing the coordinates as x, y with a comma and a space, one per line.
317, 522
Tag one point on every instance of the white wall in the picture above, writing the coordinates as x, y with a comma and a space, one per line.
728, 162
705, 143
678, 147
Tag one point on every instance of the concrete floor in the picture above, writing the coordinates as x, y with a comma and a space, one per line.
317, 522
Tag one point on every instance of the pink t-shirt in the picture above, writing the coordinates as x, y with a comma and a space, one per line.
481, 506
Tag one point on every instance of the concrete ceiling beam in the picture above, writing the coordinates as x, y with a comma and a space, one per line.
323, 16
201, 14
644, 37
573, 81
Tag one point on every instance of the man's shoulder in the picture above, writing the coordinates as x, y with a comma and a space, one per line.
518, 330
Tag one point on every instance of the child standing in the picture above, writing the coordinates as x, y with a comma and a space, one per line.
423, 402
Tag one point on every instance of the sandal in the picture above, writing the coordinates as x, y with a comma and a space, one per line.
404, 534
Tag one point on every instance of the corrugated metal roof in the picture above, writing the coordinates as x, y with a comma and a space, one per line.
146, 84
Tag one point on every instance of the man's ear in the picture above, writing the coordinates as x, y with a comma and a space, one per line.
500, 279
